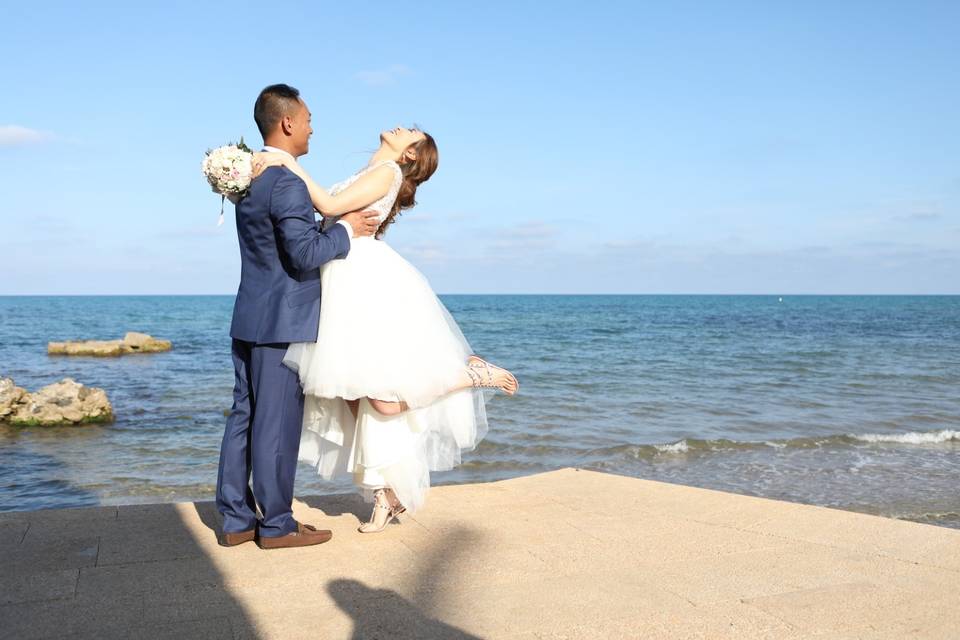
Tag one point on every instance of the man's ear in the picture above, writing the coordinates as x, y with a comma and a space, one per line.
286, 125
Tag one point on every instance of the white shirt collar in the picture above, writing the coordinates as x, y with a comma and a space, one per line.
269, 148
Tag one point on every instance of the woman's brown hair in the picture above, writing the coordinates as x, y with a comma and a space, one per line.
415, 172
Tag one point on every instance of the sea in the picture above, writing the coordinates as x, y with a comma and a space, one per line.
850, 402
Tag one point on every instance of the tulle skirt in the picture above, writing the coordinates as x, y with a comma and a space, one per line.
384, 334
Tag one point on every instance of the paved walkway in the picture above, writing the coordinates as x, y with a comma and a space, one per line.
566, 554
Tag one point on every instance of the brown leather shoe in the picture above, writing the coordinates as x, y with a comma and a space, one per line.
233, 539
304, 536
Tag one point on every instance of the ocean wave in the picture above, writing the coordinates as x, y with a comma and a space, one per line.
676, 447
943, 519
693, 446
910, 437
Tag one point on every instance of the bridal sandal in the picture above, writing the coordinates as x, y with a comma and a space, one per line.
392, 509
478, 364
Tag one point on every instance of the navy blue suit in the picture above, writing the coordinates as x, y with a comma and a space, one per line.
278, 302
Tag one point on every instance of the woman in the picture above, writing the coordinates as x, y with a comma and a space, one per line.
407, 398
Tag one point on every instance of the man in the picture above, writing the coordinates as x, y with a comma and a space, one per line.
278, 302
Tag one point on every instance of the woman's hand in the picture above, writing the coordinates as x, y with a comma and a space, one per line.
264, 159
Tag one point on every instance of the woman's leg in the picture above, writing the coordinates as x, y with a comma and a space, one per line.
477, 373
382, 510
354, 406
392, 497
386, 408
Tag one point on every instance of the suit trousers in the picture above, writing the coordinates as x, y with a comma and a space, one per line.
262, 439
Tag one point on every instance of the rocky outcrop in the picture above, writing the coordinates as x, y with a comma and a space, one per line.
11, 397
63, 403
131, 343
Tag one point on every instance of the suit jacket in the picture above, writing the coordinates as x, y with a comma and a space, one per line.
281, 251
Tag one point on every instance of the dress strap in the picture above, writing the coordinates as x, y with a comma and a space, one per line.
393, 163
397, 174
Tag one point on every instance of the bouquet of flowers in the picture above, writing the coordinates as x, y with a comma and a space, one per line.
229, 170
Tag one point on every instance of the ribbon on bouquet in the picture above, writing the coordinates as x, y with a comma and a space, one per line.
220, 220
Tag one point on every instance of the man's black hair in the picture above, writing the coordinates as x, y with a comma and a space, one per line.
273, 103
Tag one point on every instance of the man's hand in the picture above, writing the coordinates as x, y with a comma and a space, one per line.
364, 223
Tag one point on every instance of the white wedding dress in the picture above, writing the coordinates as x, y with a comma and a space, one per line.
384, 334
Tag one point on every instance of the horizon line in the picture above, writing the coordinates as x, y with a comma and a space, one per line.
224, 295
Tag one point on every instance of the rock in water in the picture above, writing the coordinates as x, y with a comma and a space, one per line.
10, 397
64, 403
85, 348
131, 343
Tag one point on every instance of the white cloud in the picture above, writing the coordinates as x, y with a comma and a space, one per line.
524, 237
383, 77
12, 135
193, 233
424, 252
919, 216
416, 216
629, 244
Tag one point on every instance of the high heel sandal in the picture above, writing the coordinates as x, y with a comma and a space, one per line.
473, 370
392, 512
396, 508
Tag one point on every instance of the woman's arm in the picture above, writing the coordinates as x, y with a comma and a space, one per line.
305, 245
366, 190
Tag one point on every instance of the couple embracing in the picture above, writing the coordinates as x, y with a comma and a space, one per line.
343, 355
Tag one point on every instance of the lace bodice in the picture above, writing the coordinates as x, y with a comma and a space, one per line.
381, 206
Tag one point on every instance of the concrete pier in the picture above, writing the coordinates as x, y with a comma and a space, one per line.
566, 554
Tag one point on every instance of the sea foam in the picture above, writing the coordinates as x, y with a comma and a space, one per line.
910, 437
676, 447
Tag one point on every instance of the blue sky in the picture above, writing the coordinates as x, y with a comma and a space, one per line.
699, 147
